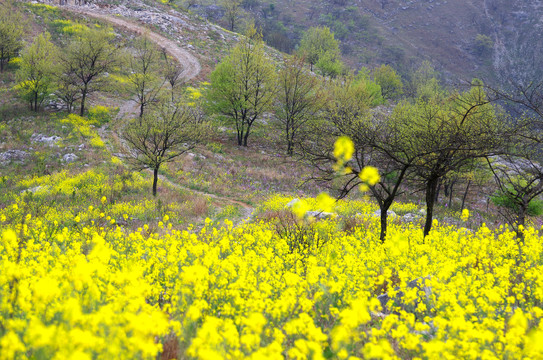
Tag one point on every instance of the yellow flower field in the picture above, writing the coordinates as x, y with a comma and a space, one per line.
91, 290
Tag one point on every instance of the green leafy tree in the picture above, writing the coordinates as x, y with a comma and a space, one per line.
243, 85
319, 42
11, 33
35, 76
299, 100
88, 57
329, 65
483, 45
374, 96
424, 83
389, 81
162, 135
232, 12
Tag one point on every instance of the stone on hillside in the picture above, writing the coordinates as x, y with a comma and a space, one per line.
13, 156
390, 213
48, 140
70, 158
319, 215
33, 190
409, 217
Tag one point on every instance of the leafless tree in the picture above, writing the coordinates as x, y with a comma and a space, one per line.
161, 136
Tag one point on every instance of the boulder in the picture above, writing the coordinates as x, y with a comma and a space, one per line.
70, 158
390, 213
13, 156
48, 140
409, 217
319, 215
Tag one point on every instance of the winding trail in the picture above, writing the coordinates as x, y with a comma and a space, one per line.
191, 65
191, 69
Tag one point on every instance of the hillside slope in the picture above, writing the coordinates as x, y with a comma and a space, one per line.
406, 32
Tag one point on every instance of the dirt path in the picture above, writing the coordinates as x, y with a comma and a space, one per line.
191, 69
191, 65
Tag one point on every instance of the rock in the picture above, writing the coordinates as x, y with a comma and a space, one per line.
48, 140
409, 217
291, 203
319, 215
33, 190
390, 213
55, 105
70, 158
13, 156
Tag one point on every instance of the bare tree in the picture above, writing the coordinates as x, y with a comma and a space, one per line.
145, 79
519, 176
172, 72
68, 89
519, 171
161, 136
450, 133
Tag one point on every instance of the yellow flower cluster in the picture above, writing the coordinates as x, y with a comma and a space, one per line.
103, 292
84, 127
70, 27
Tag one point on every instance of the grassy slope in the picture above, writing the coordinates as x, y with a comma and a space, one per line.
404, 33
235, 179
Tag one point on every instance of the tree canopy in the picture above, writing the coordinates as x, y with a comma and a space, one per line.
243, 85
319, 44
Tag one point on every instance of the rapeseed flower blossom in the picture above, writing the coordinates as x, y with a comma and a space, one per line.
94, 289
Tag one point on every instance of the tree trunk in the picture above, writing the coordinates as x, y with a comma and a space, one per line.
245, 137
155, 180
240, 138
466, 195
83, 98
289, 142
436, 198
384, 220
431, 190
521, 218
451, 187
141, 110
